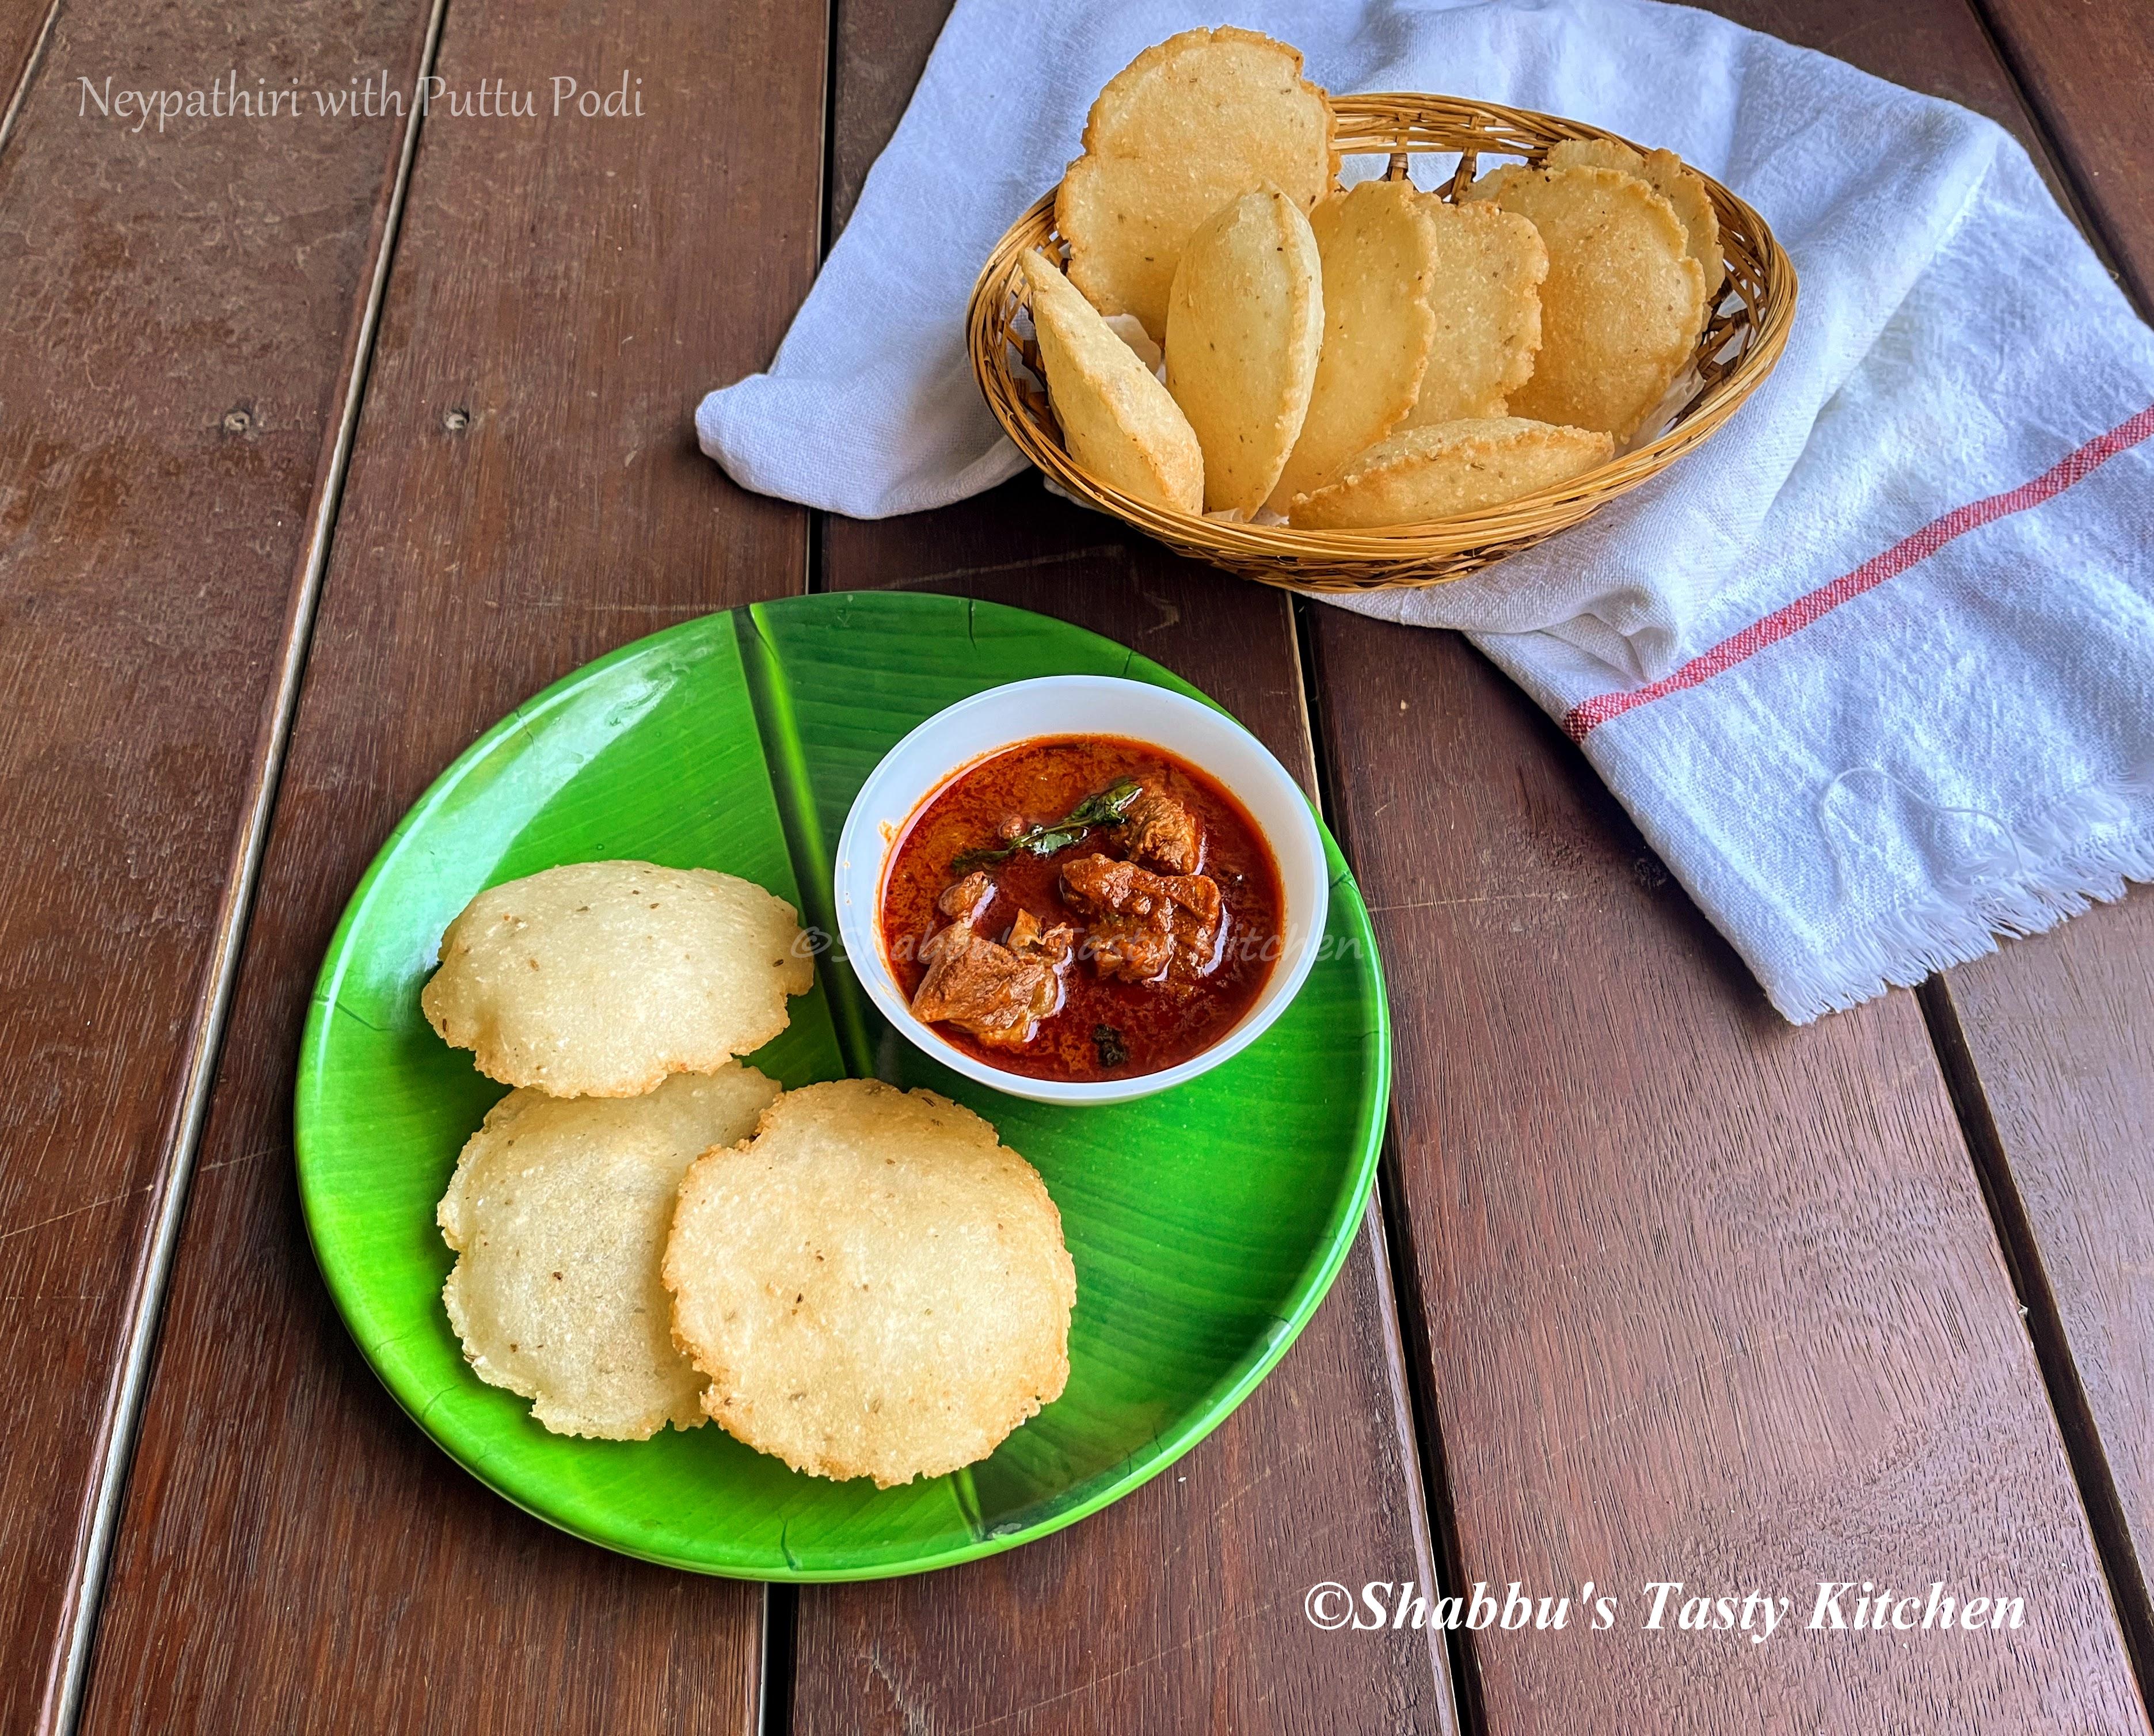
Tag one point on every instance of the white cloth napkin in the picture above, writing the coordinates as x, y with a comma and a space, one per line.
1873, 669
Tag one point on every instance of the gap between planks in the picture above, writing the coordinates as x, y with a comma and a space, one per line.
774, 1686
778, 1662
61, 1704
31, 62
2017, 1245
1398, 1275
2039, 1311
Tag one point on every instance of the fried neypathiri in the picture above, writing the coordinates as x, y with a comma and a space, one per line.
1681, 185
1422, 474
873, 1284
558, 1212
1378, 248
1484, 294
1117, 420
600, 979
1623, 302
1244, 329
1184, 129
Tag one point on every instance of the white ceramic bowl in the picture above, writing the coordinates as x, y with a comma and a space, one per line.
1061, 705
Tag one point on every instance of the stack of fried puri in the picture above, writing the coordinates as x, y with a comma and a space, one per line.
613, 996
1351, 358
860, 1280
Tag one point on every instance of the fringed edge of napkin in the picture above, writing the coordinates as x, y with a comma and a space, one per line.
2078, 853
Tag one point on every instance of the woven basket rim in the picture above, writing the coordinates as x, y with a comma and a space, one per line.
1372, 123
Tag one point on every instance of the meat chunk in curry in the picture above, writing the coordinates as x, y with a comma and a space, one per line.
1102, 847
963, 899
997, 991
1161, 833
1146, 926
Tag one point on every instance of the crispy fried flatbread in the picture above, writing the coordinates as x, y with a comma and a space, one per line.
598, 979
1484, 291
1623, 302
558, 1212
1378, 248
1244, 328
873, 1284
1183, 130
1422, 474
1681, 185
1118, 421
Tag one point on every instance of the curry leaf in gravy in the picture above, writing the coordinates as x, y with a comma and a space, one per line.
1103, 807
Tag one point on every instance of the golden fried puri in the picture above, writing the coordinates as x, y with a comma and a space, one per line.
558, 1212
1185, 128
599, 979
1623, 302
1484, 291
1378, 248
1681, 185
1117, 420
873, 1284
1244, 329
1421, 474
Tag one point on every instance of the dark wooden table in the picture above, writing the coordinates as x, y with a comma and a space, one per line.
323, 445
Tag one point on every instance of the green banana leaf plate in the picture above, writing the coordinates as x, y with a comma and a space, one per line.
1206, 1223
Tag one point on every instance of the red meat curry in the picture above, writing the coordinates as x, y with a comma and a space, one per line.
1082, 907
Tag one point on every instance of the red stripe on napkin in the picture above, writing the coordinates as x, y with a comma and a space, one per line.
1588, 715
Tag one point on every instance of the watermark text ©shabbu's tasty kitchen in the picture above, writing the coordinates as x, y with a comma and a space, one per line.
370, 97
1663, 1607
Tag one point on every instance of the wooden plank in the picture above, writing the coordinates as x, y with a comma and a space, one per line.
25, 29
175, 374
523, 495
2057, 1088
2087, 66
880, 50
1707, 1298
1180, 1607
2055, 1032
1931, 45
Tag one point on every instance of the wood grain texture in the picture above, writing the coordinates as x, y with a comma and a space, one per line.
177, 311
24, 27
1179, 1608
879, 49
1708, 1298
1934, 46
524, 495
2058, 1030
2087, 66
2060, 1047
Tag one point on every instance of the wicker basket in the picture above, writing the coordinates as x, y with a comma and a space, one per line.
1740, 343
